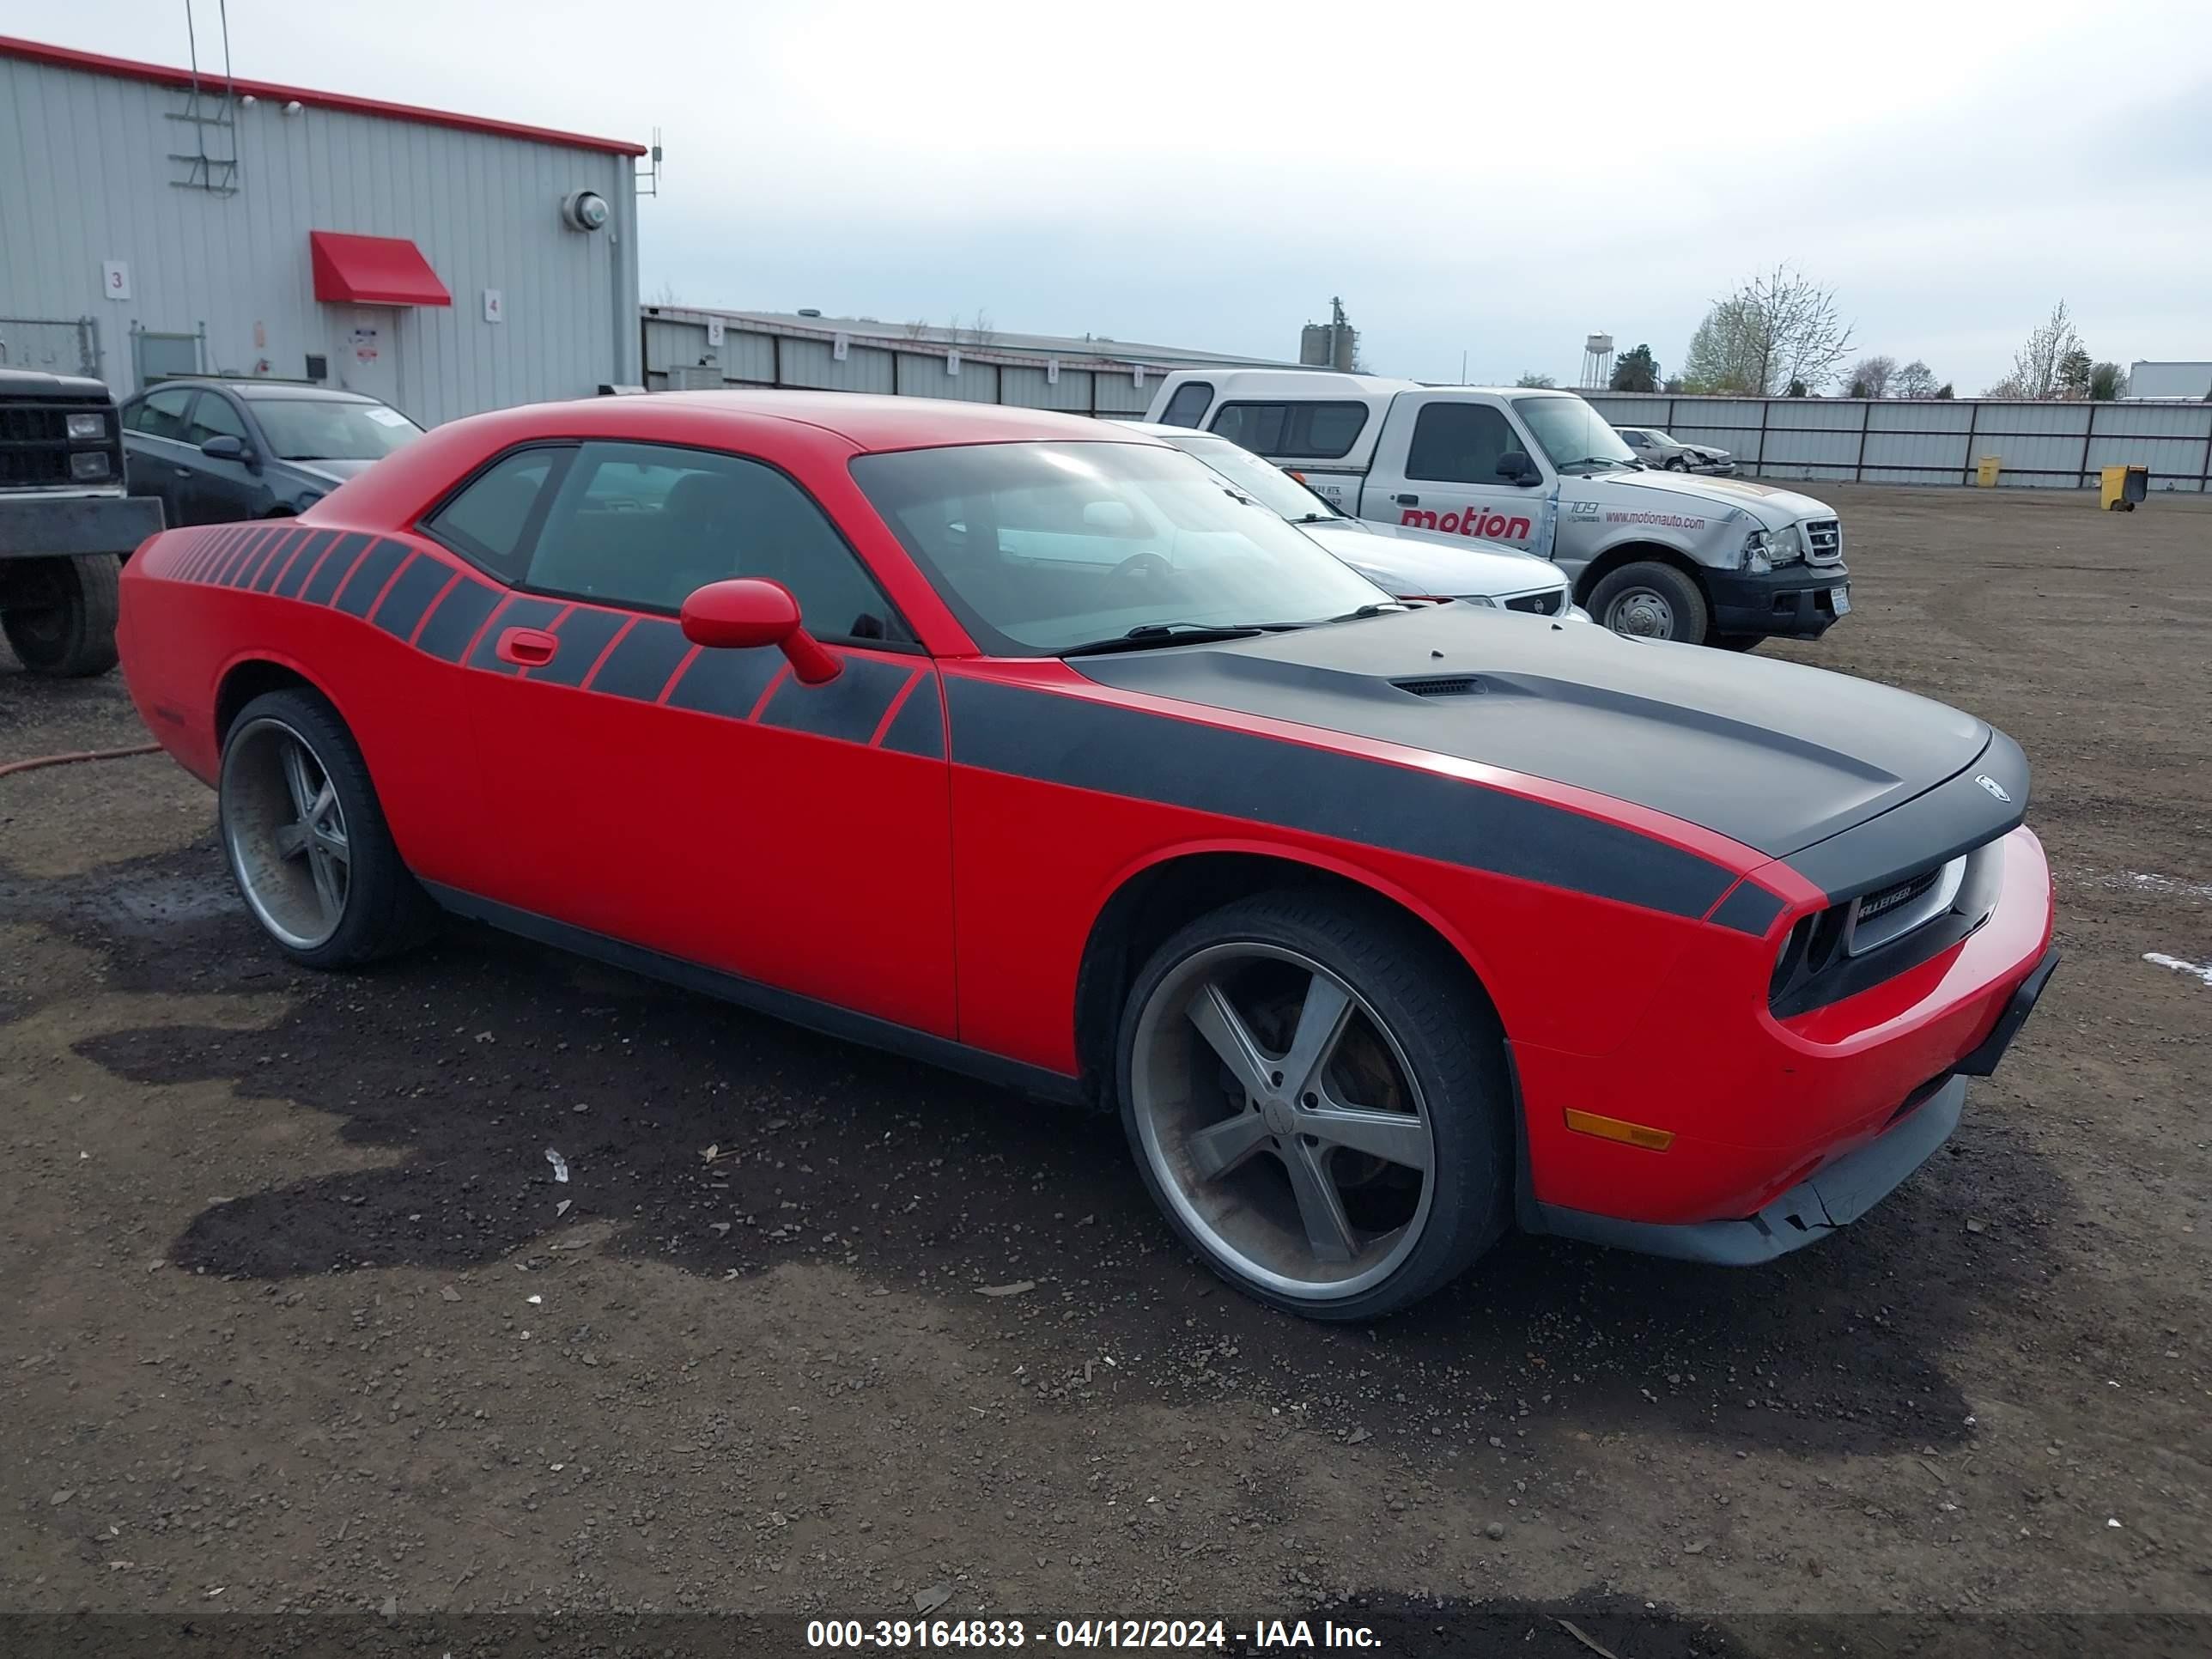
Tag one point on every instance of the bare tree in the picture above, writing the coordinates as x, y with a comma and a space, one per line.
978, 331
1531, 377
916, 328
1870, 377
1777, 329
666, 294
2035, 376
1915, 379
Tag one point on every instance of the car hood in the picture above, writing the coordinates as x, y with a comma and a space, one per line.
336, 471
1414, 564
1772, 754
1772, 507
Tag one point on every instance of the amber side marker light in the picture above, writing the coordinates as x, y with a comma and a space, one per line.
1613, 1128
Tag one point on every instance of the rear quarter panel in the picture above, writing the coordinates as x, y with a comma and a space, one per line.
337, 607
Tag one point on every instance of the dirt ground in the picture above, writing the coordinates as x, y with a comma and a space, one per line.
298, 1318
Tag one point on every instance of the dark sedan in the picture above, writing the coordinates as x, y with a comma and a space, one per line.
214, 451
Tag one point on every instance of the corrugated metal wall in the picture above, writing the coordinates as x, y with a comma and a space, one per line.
85, 178
2046, 446
679, 353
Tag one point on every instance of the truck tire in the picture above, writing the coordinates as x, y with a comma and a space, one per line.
60, 620
1648, 601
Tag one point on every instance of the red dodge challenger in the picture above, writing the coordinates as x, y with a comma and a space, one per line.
1026, 745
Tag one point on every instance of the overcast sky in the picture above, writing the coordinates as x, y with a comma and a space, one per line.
1491, 179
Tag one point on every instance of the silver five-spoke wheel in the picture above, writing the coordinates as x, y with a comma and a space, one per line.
285, 830
1282, 1121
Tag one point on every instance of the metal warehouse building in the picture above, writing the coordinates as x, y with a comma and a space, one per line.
687, 349
160, 221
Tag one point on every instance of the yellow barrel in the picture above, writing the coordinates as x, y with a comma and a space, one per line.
1985, 474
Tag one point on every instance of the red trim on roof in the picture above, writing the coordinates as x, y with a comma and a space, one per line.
373, 270
38, 51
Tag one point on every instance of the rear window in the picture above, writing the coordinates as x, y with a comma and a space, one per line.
1324, 431
489, 521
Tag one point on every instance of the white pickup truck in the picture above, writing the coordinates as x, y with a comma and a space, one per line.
1657, 554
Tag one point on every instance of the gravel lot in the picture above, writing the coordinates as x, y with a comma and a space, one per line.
299, 1319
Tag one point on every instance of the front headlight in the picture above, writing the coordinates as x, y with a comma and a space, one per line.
1788, 547
87, 426
1757, 553
1478, 598
89, 467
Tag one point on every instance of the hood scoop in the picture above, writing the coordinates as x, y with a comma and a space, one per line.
1442, 685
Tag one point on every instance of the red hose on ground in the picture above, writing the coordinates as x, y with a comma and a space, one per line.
85, 755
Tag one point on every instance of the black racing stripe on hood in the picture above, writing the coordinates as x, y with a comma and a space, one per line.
1119, 750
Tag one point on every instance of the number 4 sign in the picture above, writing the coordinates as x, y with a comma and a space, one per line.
115, 280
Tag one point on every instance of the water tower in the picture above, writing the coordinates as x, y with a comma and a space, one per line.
1597, 361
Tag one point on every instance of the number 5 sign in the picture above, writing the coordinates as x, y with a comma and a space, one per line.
115, 280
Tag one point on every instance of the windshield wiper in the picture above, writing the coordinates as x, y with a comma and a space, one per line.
1151, 635
1366, 610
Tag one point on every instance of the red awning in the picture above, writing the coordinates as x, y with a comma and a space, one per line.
373, 270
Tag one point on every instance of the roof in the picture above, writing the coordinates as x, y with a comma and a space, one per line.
376, 270
259, 388
874, 421
1000, 341
92, 63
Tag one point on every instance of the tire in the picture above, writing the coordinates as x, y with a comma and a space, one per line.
66, 630
1410, 1067
323, 907
1677, 464
1738, 642
1648, 601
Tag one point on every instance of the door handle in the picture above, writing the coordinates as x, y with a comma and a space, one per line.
526, 647
1407, 500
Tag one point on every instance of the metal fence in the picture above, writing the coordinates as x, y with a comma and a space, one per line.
1887, 440
53, 345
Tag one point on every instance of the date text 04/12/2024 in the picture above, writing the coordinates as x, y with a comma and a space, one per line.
1277, 1635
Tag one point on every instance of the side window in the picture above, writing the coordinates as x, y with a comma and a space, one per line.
1188, 406
646, 525
488, 521
1459, 443
213, 417
162, 413
1634, 439
1324, 431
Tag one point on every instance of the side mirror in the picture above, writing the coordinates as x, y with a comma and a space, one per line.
1514, 467
224, 448
748, 612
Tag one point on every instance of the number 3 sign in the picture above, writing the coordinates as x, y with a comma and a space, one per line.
115, 280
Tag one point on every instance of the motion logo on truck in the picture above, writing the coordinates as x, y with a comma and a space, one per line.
1494, 526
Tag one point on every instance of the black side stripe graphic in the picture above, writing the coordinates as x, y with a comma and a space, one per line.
584, 634
366, 586
454, 623
724, 682
294, 576
410, 596
335, 566
918, 728
264, 549
1749, 909
279, 556
641, 664
850, 707
1241, 774
235, 547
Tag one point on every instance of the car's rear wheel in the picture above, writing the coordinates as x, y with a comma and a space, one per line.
1316, 1100
1678, 464
306, 840
1648, 601
60, 613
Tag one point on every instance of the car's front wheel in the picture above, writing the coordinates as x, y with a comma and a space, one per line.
1317, 1103
1648, 601
306, 840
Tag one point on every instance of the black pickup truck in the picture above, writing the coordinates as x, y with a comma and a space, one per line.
65, 523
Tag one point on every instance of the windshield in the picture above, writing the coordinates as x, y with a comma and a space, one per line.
327, 429
1040, 547
1263, 481
1572, 432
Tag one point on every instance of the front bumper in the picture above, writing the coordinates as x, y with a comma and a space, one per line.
45, 525
1798, 601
